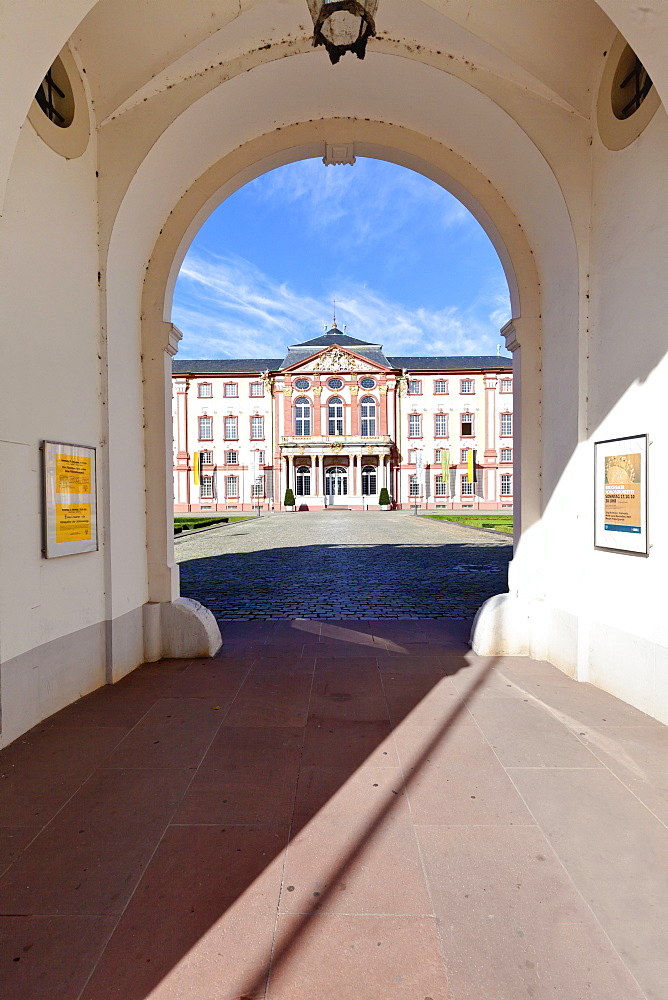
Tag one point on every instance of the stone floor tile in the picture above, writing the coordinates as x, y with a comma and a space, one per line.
248, 794
615, 851
44, 768
339, 743
512, 923
334, 957
201, 921
339, 792
524, 734
90, 857
13, 840
453, 777
176, 732
211, 679
39, 961
268, 699
236, 746
363, 863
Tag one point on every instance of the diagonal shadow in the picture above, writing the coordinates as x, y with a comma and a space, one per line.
196, 871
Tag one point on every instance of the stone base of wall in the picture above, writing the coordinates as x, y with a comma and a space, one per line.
625, 665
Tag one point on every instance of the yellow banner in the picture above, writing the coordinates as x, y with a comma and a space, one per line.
72, 474
196, 468
471, 467
73, 522
445, 463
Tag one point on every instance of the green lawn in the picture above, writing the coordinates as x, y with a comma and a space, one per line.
182, 524
497, 522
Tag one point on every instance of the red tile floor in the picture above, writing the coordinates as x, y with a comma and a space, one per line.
337, 811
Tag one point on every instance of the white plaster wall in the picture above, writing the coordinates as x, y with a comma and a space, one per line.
50, 389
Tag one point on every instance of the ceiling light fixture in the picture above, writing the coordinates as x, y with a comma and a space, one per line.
343, 25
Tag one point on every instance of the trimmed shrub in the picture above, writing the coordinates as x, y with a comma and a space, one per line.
384, 498
289, 498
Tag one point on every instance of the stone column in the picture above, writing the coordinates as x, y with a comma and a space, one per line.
287, 411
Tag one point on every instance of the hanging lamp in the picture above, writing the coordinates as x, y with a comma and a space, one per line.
343, 25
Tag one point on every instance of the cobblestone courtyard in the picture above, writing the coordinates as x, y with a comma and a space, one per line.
336, 565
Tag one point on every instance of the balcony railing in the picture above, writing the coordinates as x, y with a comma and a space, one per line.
378, 440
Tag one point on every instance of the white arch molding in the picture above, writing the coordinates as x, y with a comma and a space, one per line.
192, 167
378, 140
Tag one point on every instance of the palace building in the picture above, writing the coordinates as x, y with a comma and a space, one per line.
336, 420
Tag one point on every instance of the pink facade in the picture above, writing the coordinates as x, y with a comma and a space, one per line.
336, 420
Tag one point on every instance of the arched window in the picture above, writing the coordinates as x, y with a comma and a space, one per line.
368, 404
303, 480
335, 415
369, 480
302, 417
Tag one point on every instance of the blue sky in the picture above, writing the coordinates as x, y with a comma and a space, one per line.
409, 266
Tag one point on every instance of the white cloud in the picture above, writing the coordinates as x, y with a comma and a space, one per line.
369, 201
227, 307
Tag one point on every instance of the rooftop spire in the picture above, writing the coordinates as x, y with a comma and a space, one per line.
334, 326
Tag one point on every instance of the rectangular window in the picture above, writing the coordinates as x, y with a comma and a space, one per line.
257, 489
231, 458
411, 457
206, 457
440, 387
467, 487
205, 389
231, 428
260, 458
465, 455
467, 425
506, 424
257, 428
438, 454
441, 425
506, 454
231, 486
506, 485
206, 488
257, 389
206, 428
506, 385
441, 487
414, 486
467, 385
231, 389
414, 387
414, 420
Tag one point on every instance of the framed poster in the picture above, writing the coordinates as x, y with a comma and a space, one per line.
620, 494
70, 499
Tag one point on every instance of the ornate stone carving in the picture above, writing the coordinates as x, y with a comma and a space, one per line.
382, 389
317, 390
336, 360
402, 382
354, 390
268, 381
287, 391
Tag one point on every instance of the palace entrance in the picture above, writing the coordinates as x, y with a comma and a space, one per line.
336, 483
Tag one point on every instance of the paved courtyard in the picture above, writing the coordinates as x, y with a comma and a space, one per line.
347, 564
337, 811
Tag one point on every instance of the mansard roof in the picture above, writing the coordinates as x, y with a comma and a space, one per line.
334, 336
225, 366
459, 363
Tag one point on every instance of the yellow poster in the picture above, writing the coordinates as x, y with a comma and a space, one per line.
622, 493
73, 474
73, 522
